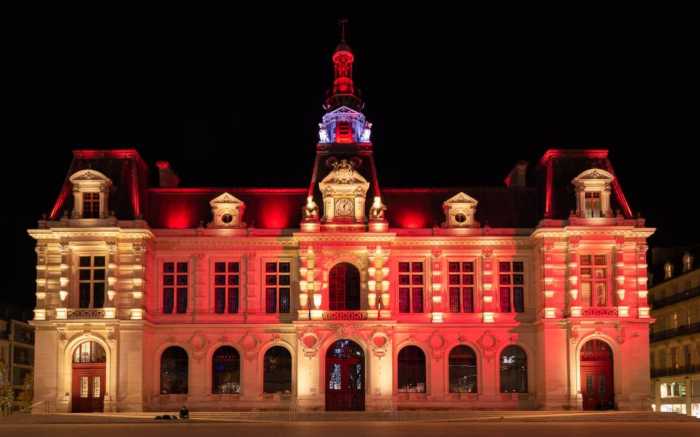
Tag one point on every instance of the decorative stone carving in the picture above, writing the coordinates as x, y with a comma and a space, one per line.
378, 343
310, 342
488, 343
249, 344
437, 343
88, 183
198, 343
227, 212
310, 212
593, 193
344, 191
459, 211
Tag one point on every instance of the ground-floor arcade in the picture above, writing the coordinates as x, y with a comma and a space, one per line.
135, 366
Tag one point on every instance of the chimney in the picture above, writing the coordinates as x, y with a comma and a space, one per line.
166, 176
517, 176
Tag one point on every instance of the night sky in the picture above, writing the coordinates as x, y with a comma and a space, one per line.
456, 98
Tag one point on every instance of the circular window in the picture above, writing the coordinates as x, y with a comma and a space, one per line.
227, 218
460, 218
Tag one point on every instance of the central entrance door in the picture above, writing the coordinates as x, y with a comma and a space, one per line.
88, 378
597, 388
345, 377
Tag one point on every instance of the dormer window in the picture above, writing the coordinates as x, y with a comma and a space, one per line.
593, 193
90, 194
687, 262
459, 211
668, 270
227, 212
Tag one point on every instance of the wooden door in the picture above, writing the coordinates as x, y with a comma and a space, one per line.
345, 378
88, 387
597, 388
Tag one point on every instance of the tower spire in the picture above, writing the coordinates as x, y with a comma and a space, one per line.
343, 92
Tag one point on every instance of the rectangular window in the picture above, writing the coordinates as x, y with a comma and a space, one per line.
277, 287
687, 357
175, 287
92, 277
91, 205
511, 282
674, 357
593, 207
411, 284
226, 286
461, 286
593, 277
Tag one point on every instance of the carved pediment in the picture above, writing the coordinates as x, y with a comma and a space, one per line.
459, 211
343, 175
227, 212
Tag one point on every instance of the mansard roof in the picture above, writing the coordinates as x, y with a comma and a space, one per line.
124, 167
552, 196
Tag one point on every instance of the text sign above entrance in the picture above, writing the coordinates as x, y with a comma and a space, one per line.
344, 315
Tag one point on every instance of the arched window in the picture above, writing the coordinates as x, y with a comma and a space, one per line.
89, 352
344, 287
462, 366
226, 371
173, 371
277, 376
411, 366
513, 370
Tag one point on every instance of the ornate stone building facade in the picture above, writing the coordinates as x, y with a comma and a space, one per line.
675, 334
343, 295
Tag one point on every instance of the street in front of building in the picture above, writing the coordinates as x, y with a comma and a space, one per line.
405, 424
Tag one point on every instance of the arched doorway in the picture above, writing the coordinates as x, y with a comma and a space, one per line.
344, 287
345, 377
597, 388
88, 378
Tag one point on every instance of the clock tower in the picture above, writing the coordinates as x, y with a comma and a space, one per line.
344, 168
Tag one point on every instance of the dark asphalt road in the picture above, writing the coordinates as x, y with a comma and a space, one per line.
361, 429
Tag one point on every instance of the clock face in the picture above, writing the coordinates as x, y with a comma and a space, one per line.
343, 207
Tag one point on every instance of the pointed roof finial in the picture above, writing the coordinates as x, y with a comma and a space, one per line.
343, 22
342, 45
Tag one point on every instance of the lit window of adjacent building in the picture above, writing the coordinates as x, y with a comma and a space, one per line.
668, 270
175, 284
674, 358
277, 287
91, 281
461, 286
226, 287
687, 262
594, 280
511, 283
673, 390
411, 283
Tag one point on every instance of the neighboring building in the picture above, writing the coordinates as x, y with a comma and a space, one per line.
16, 354
342, 295
675, 334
